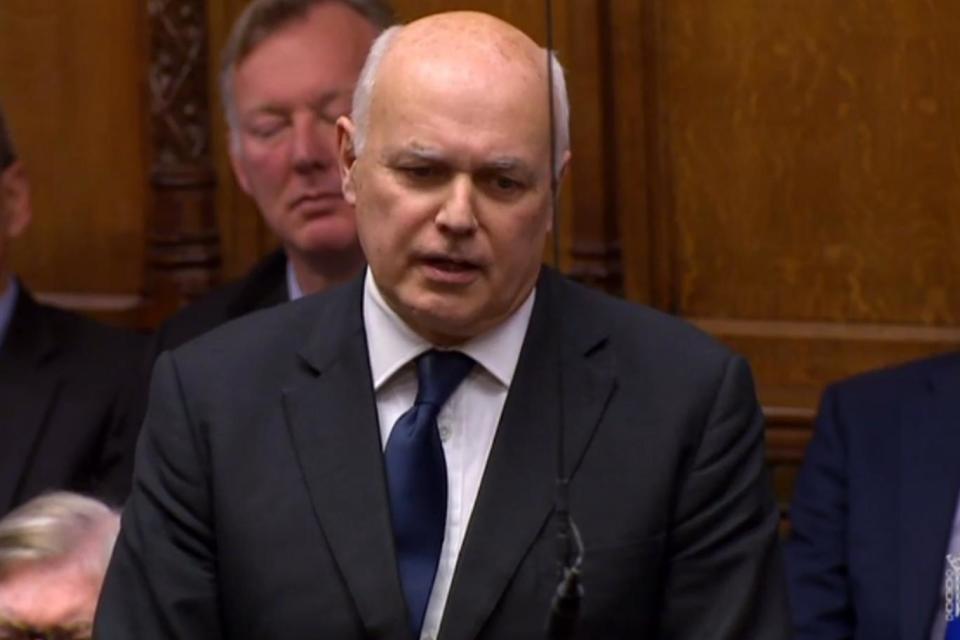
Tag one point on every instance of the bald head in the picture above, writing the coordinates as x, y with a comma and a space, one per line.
447, 161
464, 34
466, 51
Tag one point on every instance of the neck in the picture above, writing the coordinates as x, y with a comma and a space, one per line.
316, 274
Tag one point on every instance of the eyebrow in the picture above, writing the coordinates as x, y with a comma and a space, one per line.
506, 163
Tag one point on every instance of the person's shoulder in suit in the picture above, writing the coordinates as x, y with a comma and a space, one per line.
79, 341
882, 389
92, 366
263, 287
273, 333
849, 479
641, 331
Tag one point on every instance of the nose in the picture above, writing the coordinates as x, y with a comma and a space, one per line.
456, 214
313, 144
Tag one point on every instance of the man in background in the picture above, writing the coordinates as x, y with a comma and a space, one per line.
54, 551
380, 460
62, 379
288, 71
874, 552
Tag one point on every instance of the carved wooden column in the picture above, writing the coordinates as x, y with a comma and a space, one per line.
183, 253
594, 245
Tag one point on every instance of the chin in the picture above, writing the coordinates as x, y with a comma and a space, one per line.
330, 239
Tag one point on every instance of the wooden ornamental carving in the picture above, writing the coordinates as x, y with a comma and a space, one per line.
183, 254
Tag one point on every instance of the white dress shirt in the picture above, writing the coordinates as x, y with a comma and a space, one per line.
938, 626
467, 422
293, 285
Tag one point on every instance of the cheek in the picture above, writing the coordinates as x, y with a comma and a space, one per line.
266, 168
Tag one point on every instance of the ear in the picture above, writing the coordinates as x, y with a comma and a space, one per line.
347, 158
564, 165
15, 200
239, 171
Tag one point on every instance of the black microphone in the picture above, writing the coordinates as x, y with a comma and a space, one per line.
565, 607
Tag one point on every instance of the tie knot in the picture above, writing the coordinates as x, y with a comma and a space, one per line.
439, 373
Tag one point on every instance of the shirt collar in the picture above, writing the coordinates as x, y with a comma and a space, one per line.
392, 343
8, 300
293, 287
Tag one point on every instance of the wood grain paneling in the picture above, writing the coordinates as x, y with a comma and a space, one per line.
815, 154
803, 173
810, 151
72, 85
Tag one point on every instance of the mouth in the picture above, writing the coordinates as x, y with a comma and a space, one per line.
319, 201
453, 270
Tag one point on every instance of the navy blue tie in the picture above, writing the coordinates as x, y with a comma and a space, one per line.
417, 478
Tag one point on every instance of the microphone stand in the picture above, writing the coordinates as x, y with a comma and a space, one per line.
564, 612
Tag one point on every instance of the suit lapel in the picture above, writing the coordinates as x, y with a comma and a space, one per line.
518, 488
333, 422
930, 446
28, 391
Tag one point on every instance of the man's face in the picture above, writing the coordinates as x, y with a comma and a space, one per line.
287, 95
46, 595
452, 190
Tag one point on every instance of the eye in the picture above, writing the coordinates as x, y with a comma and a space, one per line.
421, 173
266, 129
504, 183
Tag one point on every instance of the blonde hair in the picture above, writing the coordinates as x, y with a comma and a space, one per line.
56, 525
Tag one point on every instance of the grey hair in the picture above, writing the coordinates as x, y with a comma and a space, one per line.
363, 94
263, 18
53, 526
7, 153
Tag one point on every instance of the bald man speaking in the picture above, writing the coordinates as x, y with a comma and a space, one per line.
379, 461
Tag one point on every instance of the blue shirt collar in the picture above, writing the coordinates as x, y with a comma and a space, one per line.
8, 300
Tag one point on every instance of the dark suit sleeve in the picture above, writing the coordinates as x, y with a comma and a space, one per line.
816, 553
161, 582
114, 471
725, 575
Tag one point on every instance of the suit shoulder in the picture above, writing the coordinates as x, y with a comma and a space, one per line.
198, 317
893, 382
256, 336
78, 333
649, 329
263, 287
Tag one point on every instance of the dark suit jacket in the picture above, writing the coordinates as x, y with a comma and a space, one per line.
265, 286
874, 504
260, 507
63, 381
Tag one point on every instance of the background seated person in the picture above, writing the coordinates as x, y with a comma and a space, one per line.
875, 509
63, 379
53, 553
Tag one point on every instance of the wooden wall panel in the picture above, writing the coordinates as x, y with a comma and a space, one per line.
812, 151
816, 153
71, 80
803, 183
